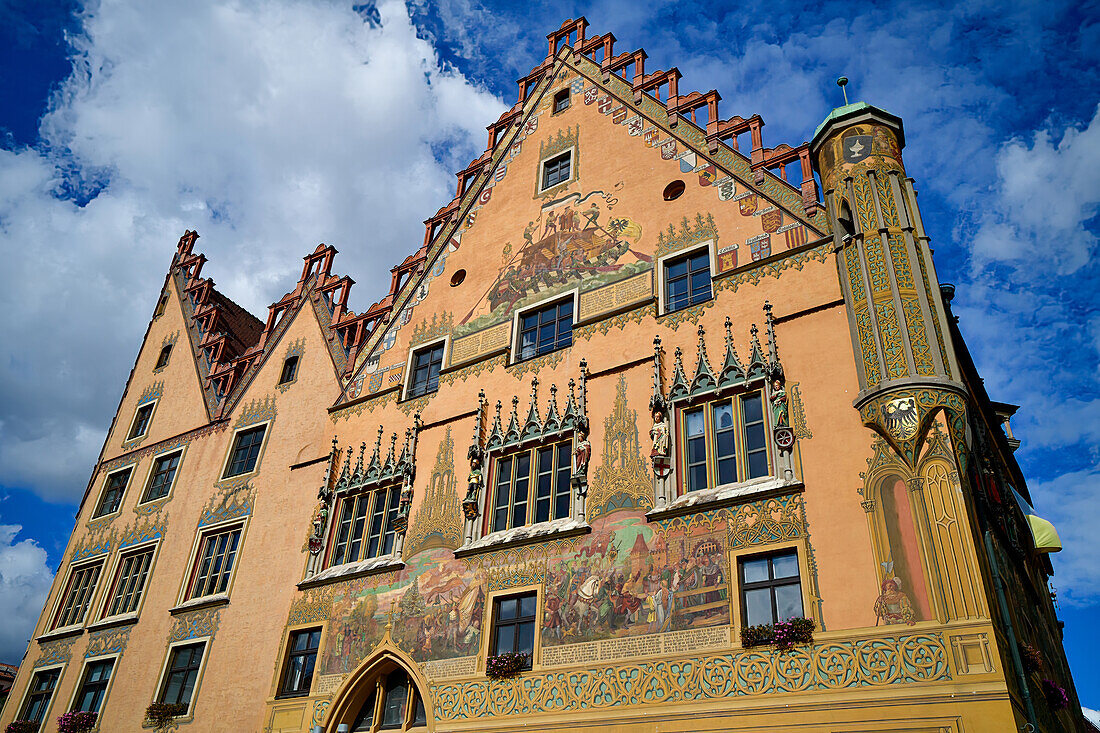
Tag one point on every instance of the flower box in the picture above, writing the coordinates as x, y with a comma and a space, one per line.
783, 634
76, 722
505, 665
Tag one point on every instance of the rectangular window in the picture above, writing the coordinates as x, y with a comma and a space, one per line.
141, 421
290, 370
545, 330
246, 450
182, 674
725, 441
770, 588
687, 281
217, 554
532, 486
300, 662
164, 472
514, 619
39, 695
113, 490
366, 526
97, 675
129, 583
162, 359
425, 370
556, 170
78, 595
561, 101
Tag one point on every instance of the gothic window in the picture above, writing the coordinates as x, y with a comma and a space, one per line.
214, 563
93, 685
365, 525
78, 595
557, 169
290, 370
246, 451
113, 489
426, 364
129, 582
393, 703
141, 420
771, 589
687, 281
724, 442
39, 695
182, 674
545, 329
162, 359
532, 486
162, 477
561, 101
301, 660
514, 622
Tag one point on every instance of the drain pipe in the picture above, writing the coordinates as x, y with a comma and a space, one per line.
998, 585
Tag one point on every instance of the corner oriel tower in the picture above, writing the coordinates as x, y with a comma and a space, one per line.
904, 359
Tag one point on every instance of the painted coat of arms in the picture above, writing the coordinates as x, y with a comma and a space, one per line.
668, 149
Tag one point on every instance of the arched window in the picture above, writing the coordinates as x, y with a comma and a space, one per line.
845, 220
393, 702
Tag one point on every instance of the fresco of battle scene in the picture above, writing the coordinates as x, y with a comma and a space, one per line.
626, 578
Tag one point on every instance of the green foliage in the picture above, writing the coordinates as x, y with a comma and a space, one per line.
163, 715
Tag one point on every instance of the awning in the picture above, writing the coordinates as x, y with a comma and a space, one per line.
1043, 533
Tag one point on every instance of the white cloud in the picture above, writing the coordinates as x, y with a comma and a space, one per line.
269, 127
1070, 501
24, 584
1045, 194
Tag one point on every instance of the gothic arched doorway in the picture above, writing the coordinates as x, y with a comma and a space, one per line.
382, 695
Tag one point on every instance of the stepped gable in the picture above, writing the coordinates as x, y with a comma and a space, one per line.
231, 345
568, 46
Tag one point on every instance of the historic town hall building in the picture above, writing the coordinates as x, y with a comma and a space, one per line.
652, 432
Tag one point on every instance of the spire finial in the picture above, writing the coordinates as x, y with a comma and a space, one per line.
842, 82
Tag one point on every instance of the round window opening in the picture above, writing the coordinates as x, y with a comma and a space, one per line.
674, 190
457, 278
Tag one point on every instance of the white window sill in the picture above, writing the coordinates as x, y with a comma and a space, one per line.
217, 599
61, 633
120, 620
353, 570
524, 535
719, 496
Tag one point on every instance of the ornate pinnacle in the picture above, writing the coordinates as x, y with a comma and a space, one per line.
359, 460
553, 399
584, 387
679, 354
773, 349
656, 400
377, 447
393, 449
729, 333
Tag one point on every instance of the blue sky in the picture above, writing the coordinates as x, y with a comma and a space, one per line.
267, 125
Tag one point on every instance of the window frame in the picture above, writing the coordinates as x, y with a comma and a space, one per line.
543, 186
164, 357
151, 547
61, 607
410, 366
685, 253
98, 512
736, 399
281, 692
295, 362
560, 95
562, 444
191, 578
376, 694
545, 304
152, 405
490, 634
81, 681
392, 490
225, 475
28, 692
152, 472
786, 548
162, 680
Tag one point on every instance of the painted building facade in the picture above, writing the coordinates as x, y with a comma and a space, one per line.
643, 395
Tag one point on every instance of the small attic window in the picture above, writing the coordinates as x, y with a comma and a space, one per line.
290, 370
673, 191
162, 360
161, 305
561, 100
457, 278
557, 170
